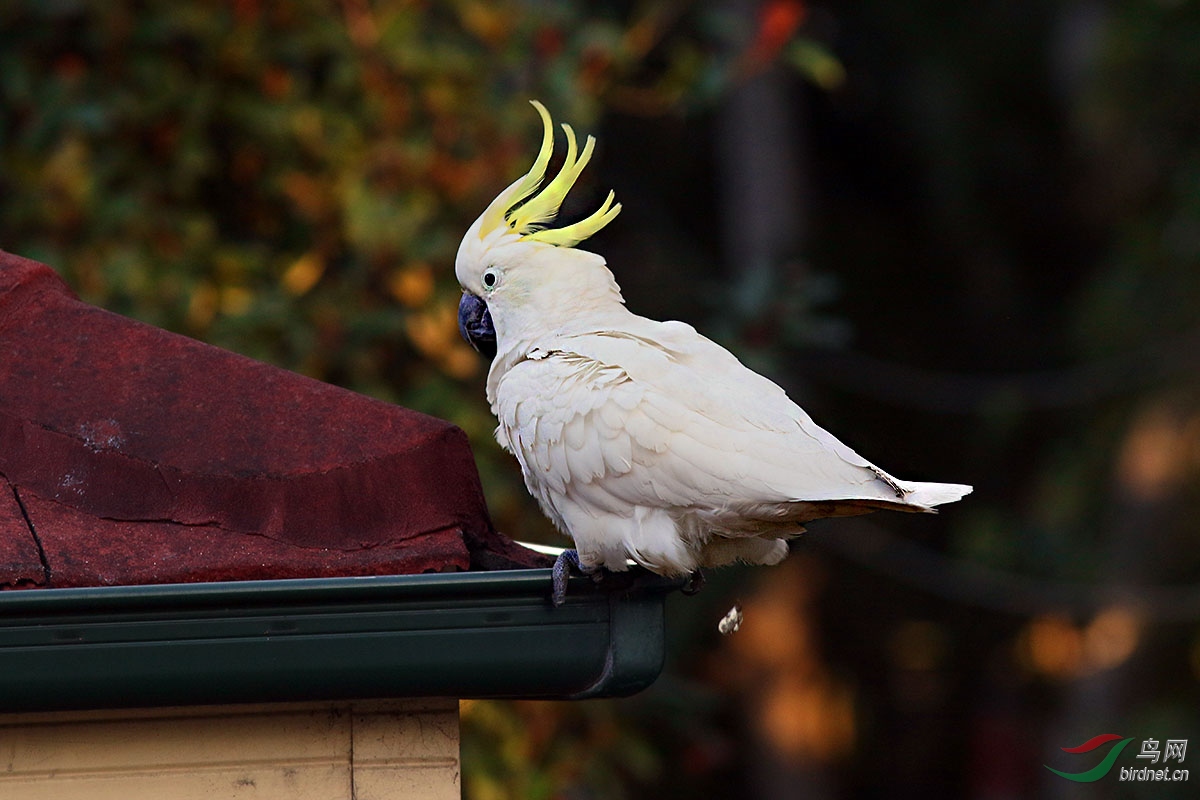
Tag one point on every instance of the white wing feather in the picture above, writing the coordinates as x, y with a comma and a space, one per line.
658, 418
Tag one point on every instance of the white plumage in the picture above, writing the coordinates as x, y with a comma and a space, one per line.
644, 440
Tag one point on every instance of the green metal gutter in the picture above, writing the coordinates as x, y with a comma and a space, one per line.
474, 634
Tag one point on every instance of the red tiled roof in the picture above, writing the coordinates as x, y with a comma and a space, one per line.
129, 454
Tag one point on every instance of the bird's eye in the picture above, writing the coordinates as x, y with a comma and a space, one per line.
491, 276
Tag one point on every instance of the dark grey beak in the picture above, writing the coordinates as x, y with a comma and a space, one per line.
475, 325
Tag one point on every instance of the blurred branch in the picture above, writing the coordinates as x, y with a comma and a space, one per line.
970, 583
960, 393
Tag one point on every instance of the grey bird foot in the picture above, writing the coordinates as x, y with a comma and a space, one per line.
562, 572
695, 583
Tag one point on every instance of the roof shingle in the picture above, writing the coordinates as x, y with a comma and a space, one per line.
142, 456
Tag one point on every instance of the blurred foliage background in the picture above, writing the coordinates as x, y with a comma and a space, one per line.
965, 236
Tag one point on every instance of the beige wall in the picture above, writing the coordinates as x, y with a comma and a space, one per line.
332, 751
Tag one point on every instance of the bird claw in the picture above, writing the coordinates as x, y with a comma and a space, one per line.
561, 573
695, 583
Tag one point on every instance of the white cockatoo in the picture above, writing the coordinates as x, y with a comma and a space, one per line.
642, 440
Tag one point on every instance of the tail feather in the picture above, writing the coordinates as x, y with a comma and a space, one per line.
933, 494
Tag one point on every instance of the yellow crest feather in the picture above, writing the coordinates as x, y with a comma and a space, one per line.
526, 219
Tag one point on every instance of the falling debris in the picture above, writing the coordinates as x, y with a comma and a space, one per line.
731, 621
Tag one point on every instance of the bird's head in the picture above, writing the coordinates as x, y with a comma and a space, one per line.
515, 272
